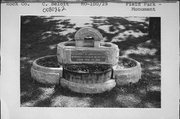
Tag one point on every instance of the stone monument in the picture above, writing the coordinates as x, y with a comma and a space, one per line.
88, 65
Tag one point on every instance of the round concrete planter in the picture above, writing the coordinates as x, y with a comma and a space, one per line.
87, 73
46, 74
88, 88
127, 75
88, 78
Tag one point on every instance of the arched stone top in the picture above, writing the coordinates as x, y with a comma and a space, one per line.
86, 32
88, 37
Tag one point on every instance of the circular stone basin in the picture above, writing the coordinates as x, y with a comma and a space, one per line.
126, 63
48, 61
46, 70
127, 71
87, 73
88, 68
88, 78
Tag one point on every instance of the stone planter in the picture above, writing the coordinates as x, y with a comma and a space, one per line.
88, 78
46, 70
89, 88
127, 71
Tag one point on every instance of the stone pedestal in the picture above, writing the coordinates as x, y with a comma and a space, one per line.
106, 53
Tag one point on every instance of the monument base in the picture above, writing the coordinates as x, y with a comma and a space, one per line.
88, 88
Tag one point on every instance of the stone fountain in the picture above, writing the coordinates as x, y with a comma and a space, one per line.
87, 65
